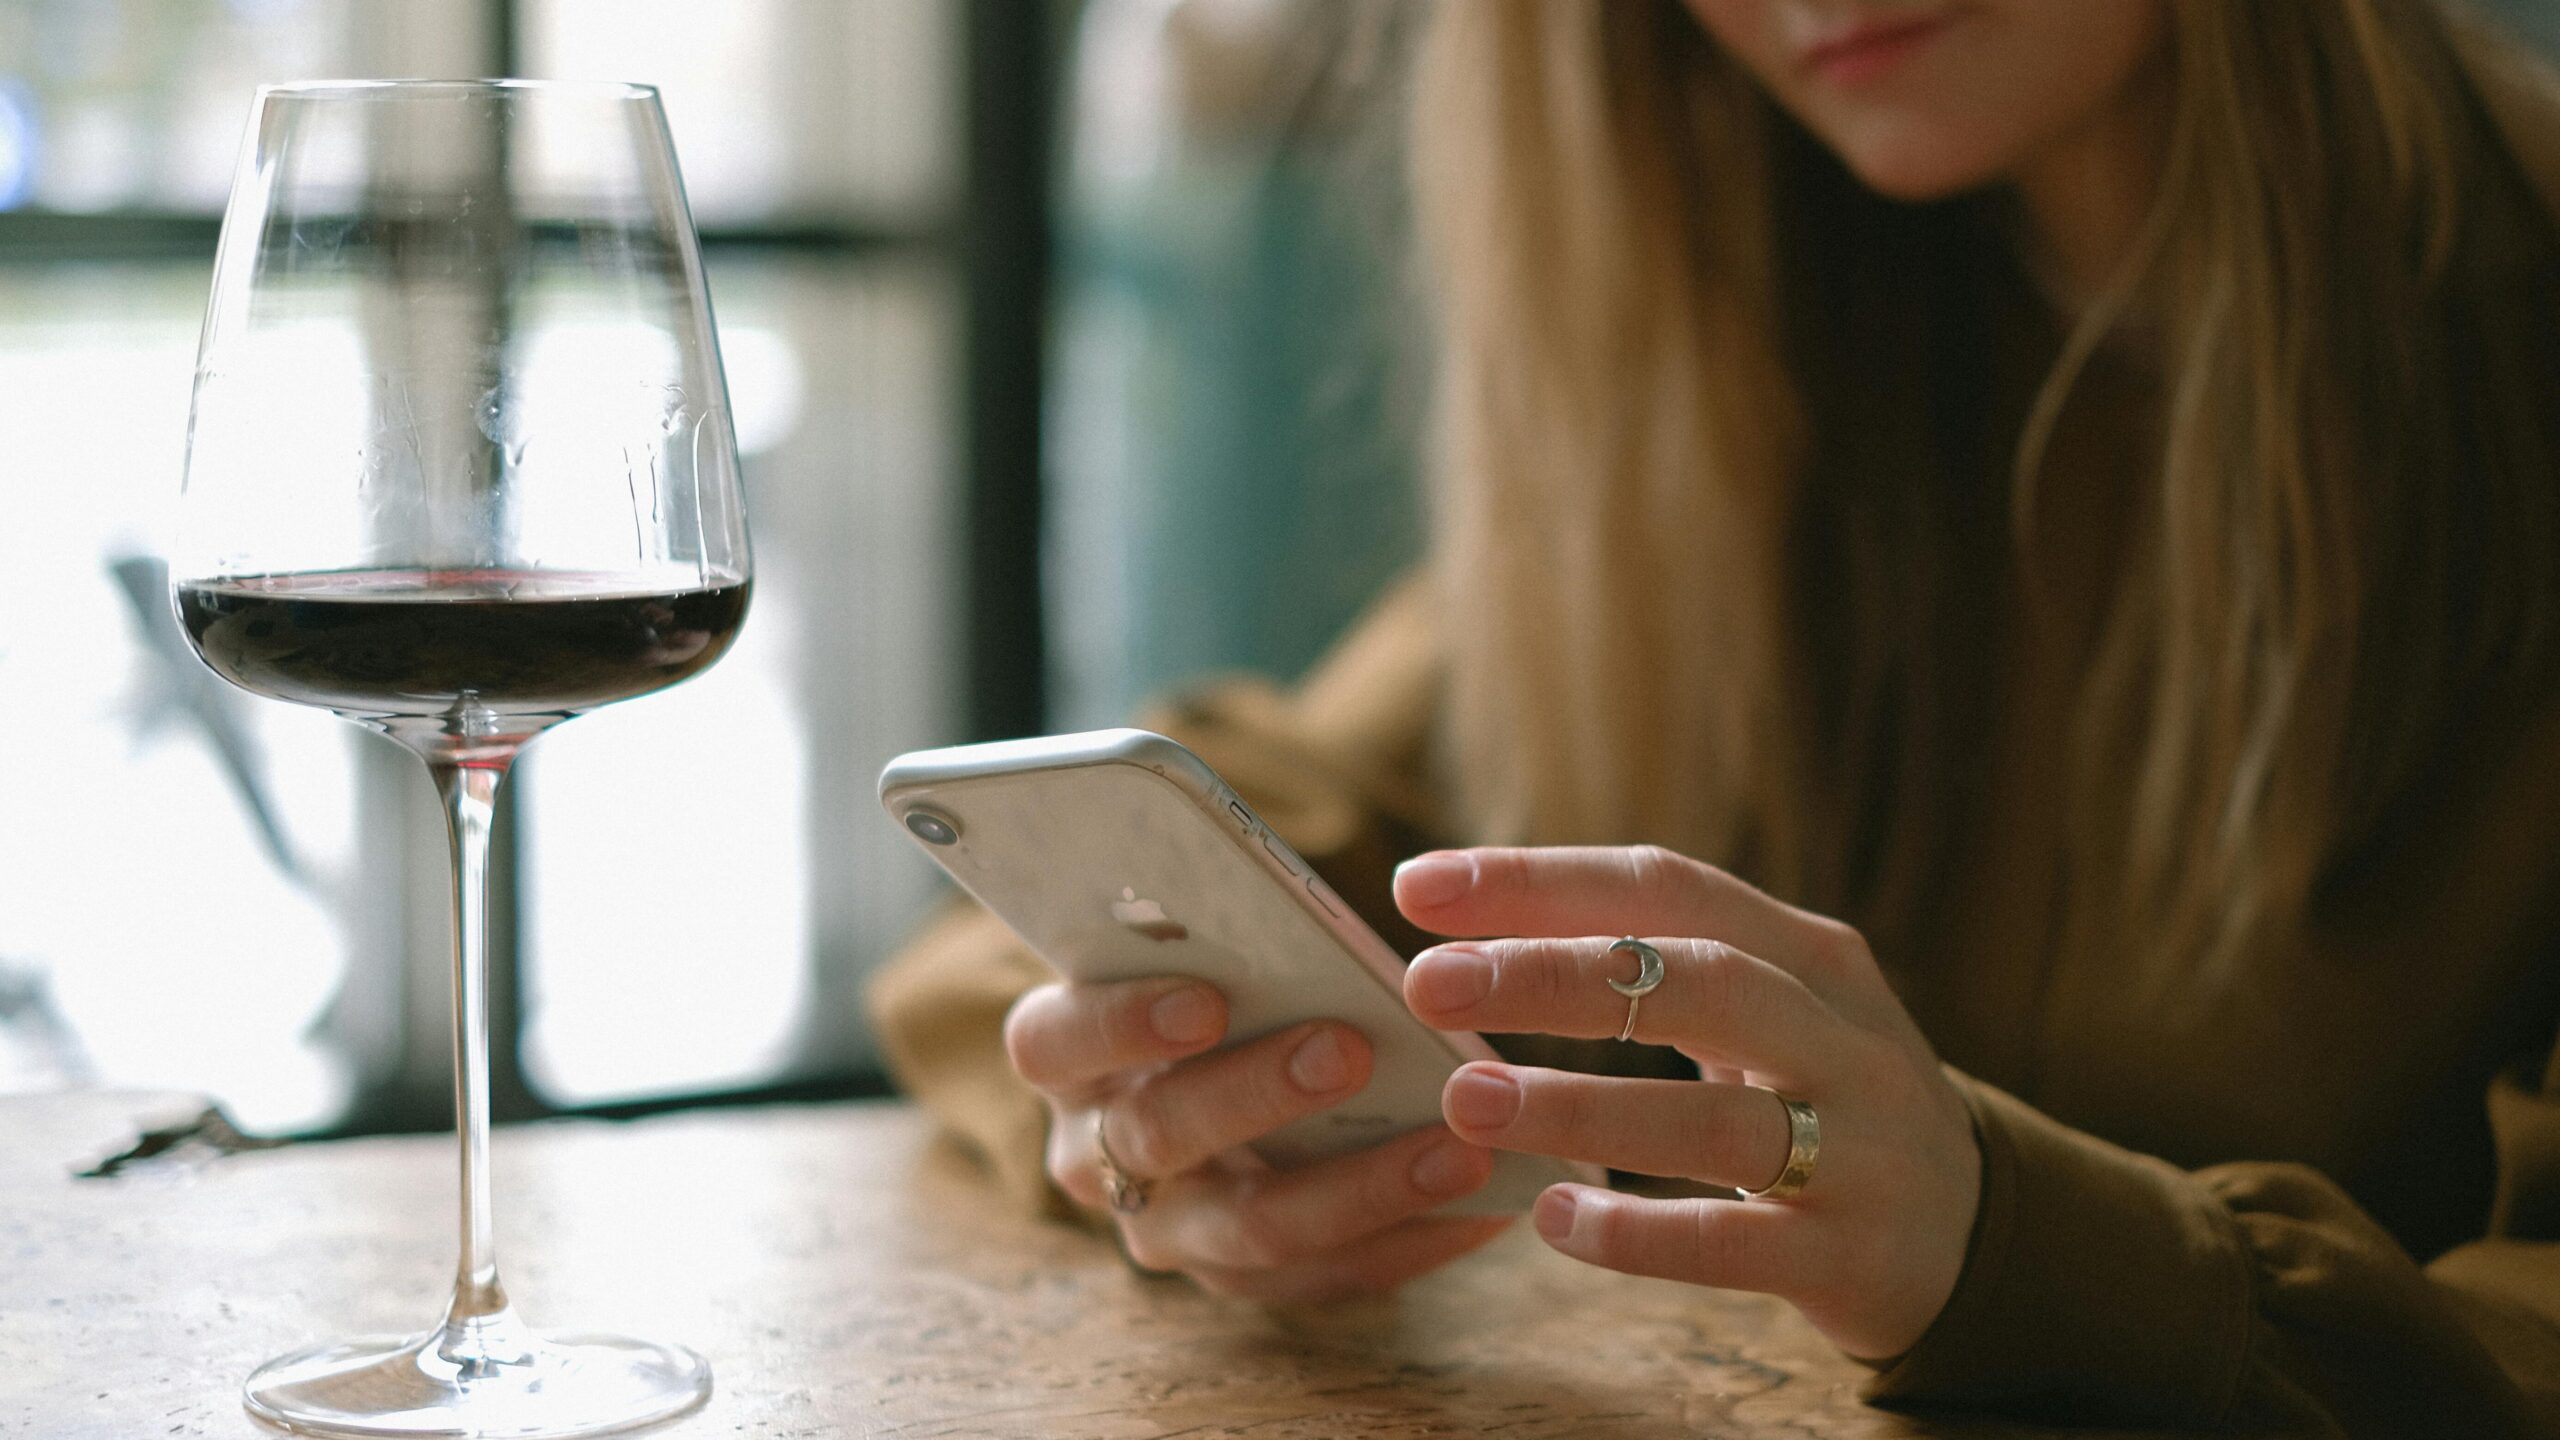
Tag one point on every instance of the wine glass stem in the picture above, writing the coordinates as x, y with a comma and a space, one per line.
470, 793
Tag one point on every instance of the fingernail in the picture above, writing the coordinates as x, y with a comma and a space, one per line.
1187, 1016
1320, 1065
1451, 1167
1437, 878
1452, 977
1481, 1099
1553, 1214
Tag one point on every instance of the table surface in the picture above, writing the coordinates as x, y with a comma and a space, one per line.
848, 1276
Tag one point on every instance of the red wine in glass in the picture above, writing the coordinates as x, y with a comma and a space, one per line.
375, 644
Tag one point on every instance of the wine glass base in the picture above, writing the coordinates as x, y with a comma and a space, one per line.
553, 1385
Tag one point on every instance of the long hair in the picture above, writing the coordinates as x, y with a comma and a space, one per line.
1719, 480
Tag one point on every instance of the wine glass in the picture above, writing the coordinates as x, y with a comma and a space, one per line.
460, 466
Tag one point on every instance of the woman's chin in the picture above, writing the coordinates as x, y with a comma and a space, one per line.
1916, 175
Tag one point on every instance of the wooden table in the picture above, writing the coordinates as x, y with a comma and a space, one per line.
847, 1276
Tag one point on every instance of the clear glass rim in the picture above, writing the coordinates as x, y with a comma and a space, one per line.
399, 88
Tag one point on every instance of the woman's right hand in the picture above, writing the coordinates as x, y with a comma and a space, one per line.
1125, 1062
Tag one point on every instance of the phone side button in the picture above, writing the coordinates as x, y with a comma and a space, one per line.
1272, 847
1324, 897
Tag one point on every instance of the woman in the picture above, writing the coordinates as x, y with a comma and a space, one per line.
2064, 496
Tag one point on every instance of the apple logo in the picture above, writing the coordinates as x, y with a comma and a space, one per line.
1146, 917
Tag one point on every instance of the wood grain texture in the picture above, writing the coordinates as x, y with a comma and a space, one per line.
848, 1277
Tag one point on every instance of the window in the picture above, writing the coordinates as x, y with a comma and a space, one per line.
218, 893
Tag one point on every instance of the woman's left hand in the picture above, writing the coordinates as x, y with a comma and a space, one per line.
1760, 994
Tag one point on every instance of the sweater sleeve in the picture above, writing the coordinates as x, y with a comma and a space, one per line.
2259, 1298
2246, 1298
1337, 766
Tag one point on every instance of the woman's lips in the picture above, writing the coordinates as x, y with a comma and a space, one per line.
1870, 48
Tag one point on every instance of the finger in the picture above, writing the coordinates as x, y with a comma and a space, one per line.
1594, 890
1180, 1117
1734, 1135
1366, 1267
1281, 1218
1713, 999
1064, 1038
1729, 1244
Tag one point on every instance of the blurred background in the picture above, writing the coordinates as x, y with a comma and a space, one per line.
1059, 338
1070, 351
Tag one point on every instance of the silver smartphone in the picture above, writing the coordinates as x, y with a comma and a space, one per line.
1118, 854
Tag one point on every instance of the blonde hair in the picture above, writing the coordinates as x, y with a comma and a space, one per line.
1689, 604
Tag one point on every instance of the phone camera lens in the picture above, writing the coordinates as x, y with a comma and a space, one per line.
933, 828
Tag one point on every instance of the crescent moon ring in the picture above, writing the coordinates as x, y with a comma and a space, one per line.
1648, 979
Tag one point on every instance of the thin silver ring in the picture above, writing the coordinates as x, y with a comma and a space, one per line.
1126, 1193
1648, 979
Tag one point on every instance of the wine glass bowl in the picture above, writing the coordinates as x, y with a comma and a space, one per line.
460, 663
460, 467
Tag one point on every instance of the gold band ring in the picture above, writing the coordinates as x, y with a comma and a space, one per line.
1804, 1143
1126, 1193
